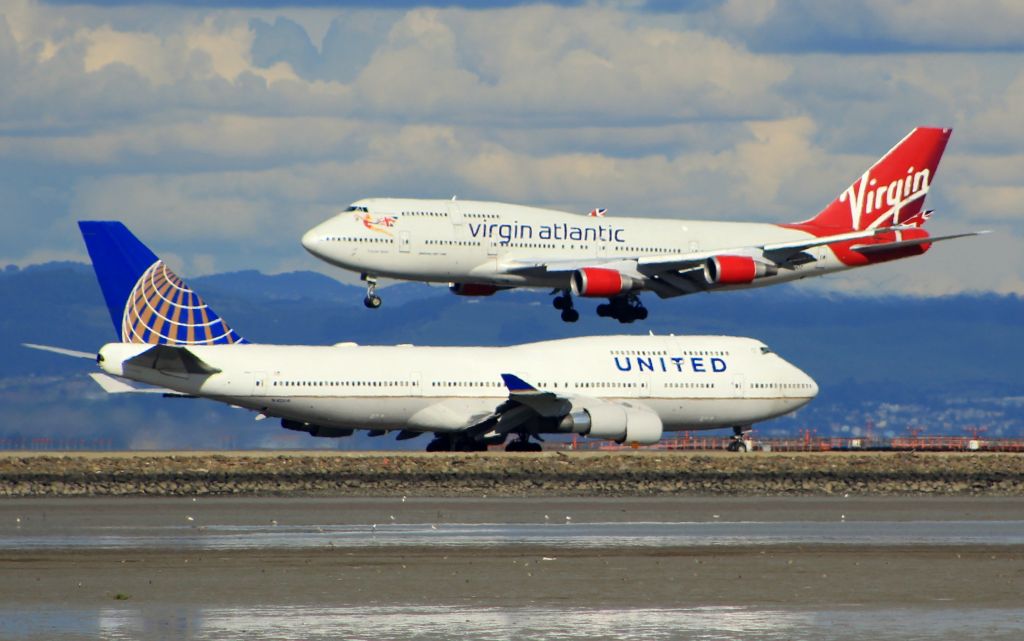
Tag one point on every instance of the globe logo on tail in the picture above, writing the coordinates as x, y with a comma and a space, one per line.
162, 309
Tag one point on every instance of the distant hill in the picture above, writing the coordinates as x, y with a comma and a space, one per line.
938, 361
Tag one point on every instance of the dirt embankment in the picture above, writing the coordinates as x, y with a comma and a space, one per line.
548, 474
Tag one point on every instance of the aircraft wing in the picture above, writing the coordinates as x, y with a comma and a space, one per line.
651, 265
524, 403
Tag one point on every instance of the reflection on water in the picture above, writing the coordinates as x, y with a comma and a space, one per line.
225, 537
512, 624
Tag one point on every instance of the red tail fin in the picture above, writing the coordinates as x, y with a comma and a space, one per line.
892, 191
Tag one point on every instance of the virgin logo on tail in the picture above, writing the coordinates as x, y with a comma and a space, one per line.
865, 197
893, 189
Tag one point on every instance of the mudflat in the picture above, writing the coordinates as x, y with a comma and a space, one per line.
92, 553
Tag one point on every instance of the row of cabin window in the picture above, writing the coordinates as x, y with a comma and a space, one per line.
432, 214
690, 385
780, 385
357, 239
662, 352
341, 383
463, 243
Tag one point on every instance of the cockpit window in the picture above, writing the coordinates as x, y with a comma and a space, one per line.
765, 350
365, 210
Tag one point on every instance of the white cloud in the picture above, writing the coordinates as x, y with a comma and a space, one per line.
162, 116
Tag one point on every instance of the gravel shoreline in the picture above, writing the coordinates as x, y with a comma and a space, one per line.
499, 474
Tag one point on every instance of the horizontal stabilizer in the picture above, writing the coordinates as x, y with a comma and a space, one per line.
875, 249
60, 350
171, 359
113, 385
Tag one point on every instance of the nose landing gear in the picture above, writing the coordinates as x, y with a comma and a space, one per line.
741, 441
372, 300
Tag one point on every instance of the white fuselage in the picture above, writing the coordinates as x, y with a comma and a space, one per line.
691, 382
478, 242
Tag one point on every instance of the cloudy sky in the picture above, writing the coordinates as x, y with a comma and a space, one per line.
220, 131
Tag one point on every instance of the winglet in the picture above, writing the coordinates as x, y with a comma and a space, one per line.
517, 385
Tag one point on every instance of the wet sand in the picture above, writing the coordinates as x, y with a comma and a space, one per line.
623, 576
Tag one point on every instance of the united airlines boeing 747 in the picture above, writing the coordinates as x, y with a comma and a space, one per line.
628, 389
482, 247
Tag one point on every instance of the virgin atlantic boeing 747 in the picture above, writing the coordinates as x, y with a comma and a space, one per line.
482, 247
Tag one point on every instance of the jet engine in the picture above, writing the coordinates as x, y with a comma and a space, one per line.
472, 289
736, 270
315, 430
614, 422
598, 282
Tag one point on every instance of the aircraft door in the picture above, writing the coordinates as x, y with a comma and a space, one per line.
645, 386
694, 247
739, 386
259, 384
455, 213
820, 256
404, 242
414, 384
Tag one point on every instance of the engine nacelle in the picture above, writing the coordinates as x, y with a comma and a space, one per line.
736, 270
315, 430
614, 422
598, 282
472, 289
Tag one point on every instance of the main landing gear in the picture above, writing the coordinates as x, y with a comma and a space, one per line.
522, 444
624, 309
456, 443
739, 441
564, 302
372, 300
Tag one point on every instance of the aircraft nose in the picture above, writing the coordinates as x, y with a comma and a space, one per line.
313, 239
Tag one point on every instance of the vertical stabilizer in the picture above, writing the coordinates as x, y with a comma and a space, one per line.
892, 191
148, 303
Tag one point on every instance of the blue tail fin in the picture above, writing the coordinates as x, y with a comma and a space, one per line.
148, 303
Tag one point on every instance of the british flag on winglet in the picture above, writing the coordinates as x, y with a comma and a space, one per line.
598, 213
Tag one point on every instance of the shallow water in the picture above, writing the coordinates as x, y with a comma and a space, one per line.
564, 534
501, 624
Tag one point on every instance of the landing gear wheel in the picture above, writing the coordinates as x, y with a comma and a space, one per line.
372, 300
440, 444
739, 443
624, 309
564, 302
523, 445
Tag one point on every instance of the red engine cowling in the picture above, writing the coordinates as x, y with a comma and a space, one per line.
600, 283
472, 289
735, 270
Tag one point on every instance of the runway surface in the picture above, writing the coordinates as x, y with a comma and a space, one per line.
666, 568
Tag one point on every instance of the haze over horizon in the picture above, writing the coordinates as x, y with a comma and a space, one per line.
220, 131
